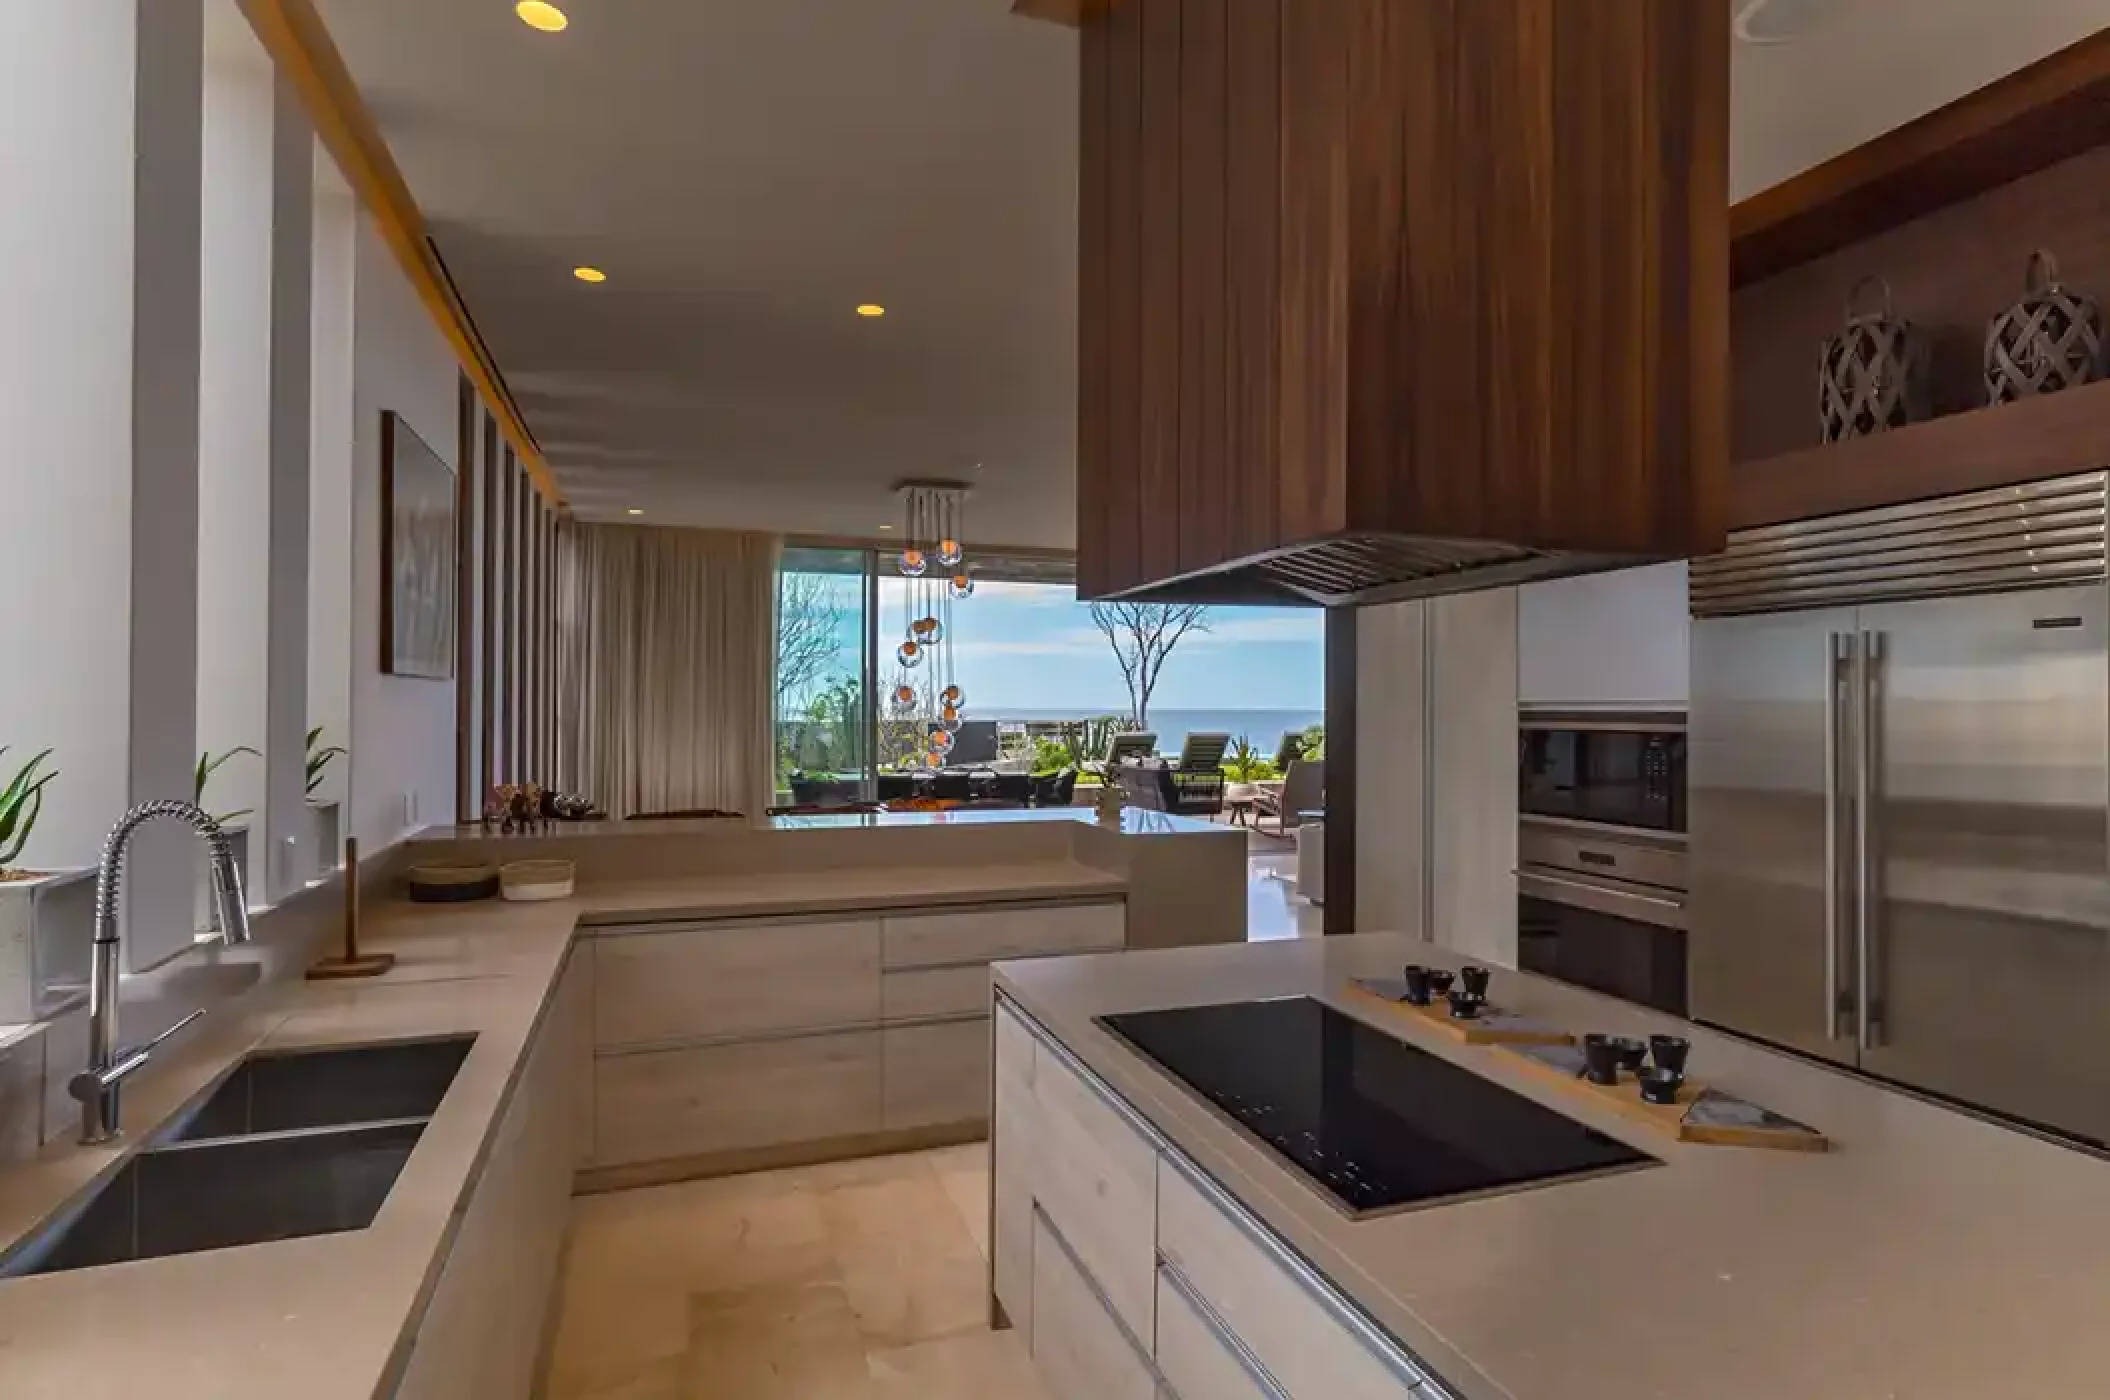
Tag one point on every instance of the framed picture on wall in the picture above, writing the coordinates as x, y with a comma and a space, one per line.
418, 546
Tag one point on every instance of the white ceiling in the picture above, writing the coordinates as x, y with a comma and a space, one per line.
748, 171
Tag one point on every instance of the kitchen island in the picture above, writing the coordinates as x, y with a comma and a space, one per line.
1142, 1239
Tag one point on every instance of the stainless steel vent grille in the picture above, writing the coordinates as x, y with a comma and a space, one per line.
2041, 535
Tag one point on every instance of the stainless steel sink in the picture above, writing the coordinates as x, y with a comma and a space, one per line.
288, 1145
213, 1195
324, 1088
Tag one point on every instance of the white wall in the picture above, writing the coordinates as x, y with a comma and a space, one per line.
234, 421
337, 221
402, 728
66, 247
1391, 770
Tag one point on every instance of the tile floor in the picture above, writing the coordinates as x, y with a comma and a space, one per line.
1273, 909
862, 1280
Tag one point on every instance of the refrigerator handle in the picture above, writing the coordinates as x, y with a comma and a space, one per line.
1838, 652
1867, 1017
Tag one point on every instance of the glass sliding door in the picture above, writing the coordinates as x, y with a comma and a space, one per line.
824, 677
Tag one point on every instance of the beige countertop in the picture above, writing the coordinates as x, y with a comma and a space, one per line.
1135, 821
329, 1317
1930, 1256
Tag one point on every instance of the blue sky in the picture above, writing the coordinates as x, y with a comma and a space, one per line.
1026, 646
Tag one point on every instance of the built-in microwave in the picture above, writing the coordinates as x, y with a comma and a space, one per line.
1612, 769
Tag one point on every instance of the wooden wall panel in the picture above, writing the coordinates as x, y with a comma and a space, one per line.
1314, 288
1451, 268
1202, 527
1162, 256
1121, 467
493, 511
1252, 270
1094, 321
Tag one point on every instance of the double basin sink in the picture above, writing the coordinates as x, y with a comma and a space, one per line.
287, 1145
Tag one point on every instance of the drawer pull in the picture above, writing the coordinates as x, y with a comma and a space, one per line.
1221, 1330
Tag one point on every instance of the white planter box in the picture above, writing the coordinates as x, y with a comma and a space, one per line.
323, 845
205, 917
46, 925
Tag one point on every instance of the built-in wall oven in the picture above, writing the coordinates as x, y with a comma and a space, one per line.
1623, 769
1601, 854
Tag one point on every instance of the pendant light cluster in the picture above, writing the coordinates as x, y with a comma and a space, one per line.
934, 562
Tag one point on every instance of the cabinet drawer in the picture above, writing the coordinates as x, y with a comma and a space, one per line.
722, 1098
1298, 1336
1078, 1348
1095, 1174
734, 979
984, 935
1194, 1356
935, 991
936, 1074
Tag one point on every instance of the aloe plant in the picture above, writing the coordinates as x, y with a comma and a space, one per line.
209, 764
319, 758
21, 802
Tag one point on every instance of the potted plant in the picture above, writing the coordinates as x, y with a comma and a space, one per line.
45, 916
206, 917
1243, 767
325, 828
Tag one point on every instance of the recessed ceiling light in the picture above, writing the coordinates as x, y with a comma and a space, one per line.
589, 274
634, 510
540, 14
886, 527
871, 308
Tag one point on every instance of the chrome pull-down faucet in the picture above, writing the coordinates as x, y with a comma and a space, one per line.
98, 1086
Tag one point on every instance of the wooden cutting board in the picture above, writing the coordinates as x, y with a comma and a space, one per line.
1493, 1026
1701, 1114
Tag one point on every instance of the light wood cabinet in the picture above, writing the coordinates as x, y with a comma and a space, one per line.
1297, 1337
734, 978
1002, 931
659, 1104
916, 994
1095, 1176
482, 1328
936, 1074
1011, 1155
1194, 1355
1078, 1347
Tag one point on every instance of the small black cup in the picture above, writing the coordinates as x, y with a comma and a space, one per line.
1660, 1085
1417, 984
1601, 1058
1465, 1006
1475, 979
1669, 1052
1440, 980
1632, 1053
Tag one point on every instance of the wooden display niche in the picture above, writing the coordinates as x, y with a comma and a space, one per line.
1950, 269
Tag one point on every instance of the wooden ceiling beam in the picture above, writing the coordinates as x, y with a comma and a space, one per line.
298, 42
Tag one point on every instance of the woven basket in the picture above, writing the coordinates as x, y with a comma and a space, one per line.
1872, 376
2050, 340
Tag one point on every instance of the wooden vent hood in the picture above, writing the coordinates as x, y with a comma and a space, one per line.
1382, 298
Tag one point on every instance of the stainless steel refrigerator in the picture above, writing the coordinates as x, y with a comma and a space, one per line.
1899, 788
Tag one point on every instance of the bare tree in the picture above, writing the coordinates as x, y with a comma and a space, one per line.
1143, 636
808, 615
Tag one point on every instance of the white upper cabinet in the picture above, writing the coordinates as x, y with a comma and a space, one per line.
1616, 639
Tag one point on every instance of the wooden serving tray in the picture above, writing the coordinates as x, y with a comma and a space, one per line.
1701, 1114
1493, 1026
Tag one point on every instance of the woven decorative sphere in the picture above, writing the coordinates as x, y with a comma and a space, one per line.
2050, 340
1872, 376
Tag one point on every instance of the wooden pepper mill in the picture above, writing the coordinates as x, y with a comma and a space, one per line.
351, 962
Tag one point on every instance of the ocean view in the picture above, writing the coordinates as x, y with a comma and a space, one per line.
1263, 728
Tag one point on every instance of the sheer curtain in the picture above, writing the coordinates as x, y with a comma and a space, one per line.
667, 645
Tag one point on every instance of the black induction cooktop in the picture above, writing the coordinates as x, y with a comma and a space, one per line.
1374, 1122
